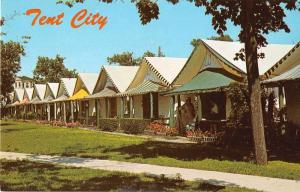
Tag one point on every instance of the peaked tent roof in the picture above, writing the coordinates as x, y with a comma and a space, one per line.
288, 61
290, 75
79, 95
19, 94
29, 92
69, 85
40, 90
121, 76
53, 88
205, 81
167, 68
227, 50
89, 80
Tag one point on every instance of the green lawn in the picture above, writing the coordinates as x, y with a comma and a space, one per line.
43, 139
34, 176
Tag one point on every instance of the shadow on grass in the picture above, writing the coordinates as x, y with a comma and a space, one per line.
192, 152
187, 152
34, 176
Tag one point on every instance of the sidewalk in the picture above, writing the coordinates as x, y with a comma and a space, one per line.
218, 178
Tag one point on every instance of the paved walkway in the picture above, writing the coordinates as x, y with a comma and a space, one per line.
219, 178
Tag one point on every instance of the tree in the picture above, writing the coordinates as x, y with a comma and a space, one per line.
51, 70
196, 42
127, 58
11, 53
256, 18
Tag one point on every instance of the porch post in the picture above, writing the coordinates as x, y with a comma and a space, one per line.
151, 105
86, 106
64, 114
199, 112
122, 107
131, 106
97, 103
280, 90
48, 110
171, 108
108, 108
72, 111
54, 111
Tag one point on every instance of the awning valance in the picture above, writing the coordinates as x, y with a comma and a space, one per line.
106, 92
59, 99
289, 76
79, 95
203, 82
143, 88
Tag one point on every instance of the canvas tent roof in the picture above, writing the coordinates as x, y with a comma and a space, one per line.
19, 94
121, 76
227, 50
291, 75
143, 88
40, 90
89, 80
35, 100
106, 92
79, 95
69, 85
167, 68
53, 88
205, 81
29, 92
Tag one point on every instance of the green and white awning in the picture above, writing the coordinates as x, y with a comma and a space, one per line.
143, 88
205, 81
106, 92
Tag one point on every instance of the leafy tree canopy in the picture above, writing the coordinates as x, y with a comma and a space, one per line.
51, 70
196, 42
11, 53
127, 58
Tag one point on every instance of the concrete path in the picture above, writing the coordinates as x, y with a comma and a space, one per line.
218, 178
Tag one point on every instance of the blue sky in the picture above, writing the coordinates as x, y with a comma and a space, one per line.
87, 48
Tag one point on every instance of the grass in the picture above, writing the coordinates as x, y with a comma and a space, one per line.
44, 139
34, 176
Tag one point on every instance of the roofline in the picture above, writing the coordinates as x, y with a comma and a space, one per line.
156, 72
108, 76
272, 69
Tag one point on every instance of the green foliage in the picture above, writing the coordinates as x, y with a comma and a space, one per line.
51, 70
196, 42
109, 124
22, 137
221, 38
11, 53
127, 58
134, 126
240, 101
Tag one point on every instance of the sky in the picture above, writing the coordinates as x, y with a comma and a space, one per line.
87, 48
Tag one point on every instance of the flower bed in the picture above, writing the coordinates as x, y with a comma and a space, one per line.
157, 128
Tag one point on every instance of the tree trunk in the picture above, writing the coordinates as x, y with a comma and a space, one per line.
254, 84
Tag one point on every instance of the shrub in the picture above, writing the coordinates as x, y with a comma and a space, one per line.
109, 124
134, 126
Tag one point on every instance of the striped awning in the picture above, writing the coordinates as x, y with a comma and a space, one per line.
205, 81
61, 98
291, 75
143, 88
35, 100
106, 92
79, 95
46, 100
